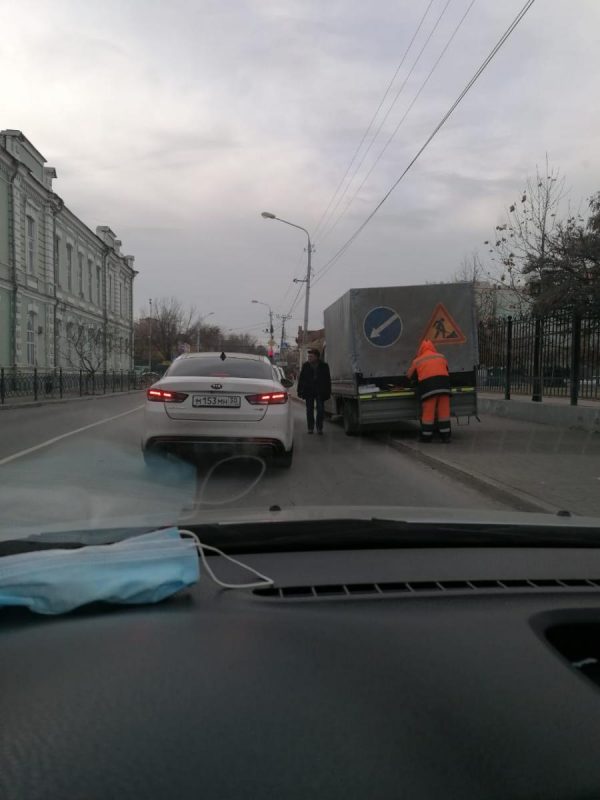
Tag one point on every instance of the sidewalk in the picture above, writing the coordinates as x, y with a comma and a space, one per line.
531, 466
29, 402
555, 411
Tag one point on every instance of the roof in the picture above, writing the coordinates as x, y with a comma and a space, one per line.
250, 356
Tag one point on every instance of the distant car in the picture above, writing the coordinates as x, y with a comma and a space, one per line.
209, 401
280, 373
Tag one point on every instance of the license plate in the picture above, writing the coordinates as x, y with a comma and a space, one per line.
216, 401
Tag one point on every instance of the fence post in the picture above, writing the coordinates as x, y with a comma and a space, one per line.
35, 384
509, 338
80, 383
60, 382
113, 381
575, 357
2, 386
121, 380
104, 381
537, 362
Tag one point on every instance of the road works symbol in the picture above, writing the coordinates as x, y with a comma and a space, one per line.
382, 326
442, 329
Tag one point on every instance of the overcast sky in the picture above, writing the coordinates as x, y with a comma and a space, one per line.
178, 123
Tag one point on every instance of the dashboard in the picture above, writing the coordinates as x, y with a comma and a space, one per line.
426, 673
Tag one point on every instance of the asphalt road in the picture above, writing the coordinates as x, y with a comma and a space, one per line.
79, 464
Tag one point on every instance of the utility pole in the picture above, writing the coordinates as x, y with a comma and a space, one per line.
283, 318
200, 321
271, 329
306, 300
150, 338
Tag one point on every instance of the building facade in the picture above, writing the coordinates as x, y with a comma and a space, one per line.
66, 292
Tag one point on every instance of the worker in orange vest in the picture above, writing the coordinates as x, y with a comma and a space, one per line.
431, 368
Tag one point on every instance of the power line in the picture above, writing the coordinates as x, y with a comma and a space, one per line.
296, 299
292, 281
442, 122
404, 116
373, 118
382, 123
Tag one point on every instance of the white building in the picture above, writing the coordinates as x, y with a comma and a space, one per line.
66, 292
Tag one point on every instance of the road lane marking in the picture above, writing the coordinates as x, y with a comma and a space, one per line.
48, 442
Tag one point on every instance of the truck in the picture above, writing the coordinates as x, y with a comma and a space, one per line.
371, 338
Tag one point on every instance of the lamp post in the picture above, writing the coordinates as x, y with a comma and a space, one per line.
268, 215
200, 321
271, 330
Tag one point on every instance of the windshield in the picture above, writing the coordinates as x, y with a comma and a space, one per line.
327, 261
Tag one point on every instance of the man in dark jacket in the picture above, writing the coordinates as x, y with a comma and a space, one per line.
314, 386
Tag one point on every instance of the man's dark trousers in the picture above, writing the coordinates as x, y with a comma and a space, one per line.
310, 412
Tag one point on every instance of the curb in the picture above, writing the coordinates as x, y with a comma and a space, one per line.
520, 501
59, 401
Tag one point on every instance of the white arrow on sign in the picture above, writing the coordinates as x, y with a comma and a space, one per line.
377, 331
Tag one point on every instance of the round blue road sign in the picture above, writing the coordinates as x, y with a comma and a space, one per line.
382, 326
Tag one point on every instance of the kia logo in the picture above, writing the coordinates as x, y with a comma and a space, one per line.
216, 386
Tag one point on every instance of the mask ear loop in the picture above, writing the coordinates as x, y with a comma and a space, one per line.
201, 547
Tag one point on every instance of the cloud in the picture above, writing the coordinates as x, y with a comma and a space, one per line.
177, 124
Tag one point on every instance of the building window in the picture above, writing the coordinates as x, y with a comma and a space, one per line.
30, 244
70, 267
57, 258
80, 273
69, 341
90, 280
98, 286
31, 338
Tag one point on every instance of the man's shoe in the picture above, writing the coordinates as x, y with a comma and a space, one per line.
309, 431
426, 439
320, 432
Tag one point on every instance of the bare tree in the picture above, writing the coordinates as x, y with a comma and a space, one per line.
521, 248
170, 324
89, 347
573, 271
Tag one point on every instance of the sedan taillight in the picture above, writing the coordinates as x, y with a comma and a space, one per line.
165, 396
267, 399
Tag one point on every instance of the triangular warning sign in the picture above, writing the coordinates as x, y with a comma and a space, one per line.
442, 329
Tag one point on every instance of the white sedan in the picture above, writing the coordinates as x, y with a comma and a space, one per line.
216, 401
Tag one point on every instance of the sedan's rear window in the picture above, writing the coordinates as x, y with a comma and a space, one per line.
216, 368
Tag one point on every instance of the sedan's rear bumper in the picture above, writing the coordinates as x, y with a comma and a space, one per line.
250, 445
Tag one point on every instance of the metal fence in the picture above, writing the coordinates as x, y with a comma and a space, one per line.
552, 356
39, 384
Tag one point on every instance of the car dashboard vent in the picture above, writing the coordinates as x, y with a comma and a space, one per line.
403, 588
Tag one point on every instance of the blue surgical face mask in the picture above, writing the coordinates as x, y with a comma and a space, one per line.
142, 569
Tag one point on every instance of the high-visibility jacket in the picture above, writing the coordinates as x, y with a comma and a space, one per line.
432, 371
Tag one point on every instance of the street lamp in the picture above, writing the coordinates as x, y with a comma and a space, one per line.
200, 321
268, 215
260, 303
